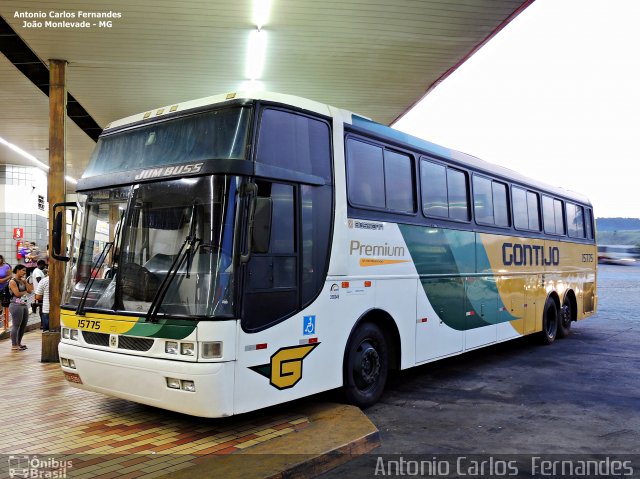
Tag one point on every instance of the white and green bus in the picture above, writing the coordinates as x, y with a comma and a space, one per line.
263, 247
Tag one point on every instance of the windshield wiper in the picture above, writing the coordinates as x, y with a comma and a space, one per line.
185, 252
92, 277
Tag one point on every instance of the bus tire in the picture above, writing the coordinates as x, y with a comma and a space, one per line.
550, 320
366, 366
564, 319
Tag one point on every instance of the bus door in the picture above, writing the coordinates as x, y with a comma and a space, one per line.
440, 320
534, 290
481, 311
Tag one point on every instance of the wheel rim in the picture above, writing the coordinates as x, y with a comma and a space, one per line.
366, 368
566, 315
552, 319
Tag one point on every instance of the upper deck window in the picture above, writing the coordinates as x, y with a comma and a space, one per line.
444, 191
490, 201
552, 212
211, 135
575, 220
295, 142
379, 178
526, 209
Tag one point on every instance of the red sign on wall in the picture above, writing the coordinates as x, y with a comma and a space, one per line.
18, 233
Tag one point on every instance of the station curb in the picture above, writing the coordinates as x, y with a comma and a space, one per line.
336, 434
6, 333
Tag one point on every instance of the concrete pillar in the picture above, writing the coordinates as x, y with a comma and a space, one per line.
56, 194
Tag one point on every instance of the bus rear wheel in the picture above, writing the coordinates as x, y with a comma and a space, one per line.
564, 321
366, 366
550, 320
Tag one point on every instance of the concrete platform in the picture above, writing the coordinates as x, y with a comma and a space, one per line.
103, 437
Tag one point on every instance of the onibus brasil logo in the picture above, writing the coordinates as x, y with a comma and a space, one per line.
285, 368
38, 467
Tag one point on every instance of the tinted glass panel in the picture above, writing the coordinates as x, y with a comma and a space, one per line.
458, 200
282, 232
483, 200
500, 209
559, 219
548, 214
520, 210
294, 142
533, 210
316, 230
365, 174
214, 134
398, 181
575, 220
588, 222
434, 189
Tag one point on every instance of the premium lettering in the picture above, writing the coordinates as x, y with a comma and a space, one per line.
529, 255
375, 250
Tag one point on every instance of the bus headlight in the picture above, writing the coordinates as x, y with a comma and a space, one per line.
73, 334
65, 362
188, 386
171, 347
65, 333
211, 350
188, 349
173, 383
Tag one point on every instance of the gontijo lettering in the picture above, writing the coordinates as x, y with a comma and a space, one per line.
375, 250
529, 255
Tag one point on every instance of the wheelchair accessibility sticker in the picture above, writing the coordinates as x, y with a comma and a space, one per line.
308, 325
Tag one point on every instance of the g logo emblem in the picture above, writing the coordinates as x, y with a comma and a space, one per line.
285, 369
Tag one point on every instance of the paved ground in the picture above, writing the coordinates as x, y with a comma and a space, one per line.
574, 399
577, 398
46, 420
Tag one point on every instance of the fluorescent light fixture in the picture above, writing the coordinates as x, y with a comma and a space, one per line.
30, 157
260, 12
252, 86
256, 54
23, 153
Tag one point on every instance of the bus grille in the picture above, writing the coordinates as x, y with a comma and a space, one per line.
124, 342
99, 339
135, 344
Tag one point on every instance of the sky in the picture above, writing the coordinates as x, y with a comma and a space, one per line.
556, 96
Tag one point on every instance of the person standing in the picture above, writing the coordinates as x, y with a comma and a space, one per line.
34, 279
42, 295
31, 254
5, 276
18, 308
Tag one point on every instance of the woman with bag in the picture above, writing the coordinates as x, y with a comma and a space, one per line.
18, 308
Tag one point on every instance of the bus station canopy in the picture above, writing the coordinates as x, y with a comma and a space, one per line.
377, 57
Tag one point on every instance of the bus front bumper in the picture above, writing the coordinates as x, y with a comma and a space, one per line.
145, 380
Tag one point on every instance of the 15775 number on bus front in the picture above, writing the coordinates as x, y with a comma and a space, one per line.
88, 324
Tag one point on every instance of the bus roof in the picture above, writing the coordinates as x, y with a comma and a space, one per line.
363, 123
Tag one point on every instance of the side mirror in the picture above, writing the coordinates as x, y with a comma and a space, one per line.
262, 225
59, 230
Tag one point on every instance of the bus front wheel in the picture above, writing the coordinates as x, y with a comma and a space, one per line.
550, 320
366, 366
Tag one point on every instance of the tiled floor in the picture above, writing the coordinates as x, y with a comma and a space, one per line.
103, 437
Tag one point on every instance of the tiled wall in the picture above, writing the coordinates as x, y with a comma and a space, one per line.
20, 187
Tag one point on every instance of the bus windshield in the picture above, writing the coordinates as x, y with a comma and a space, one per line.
134, 238
216, 134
